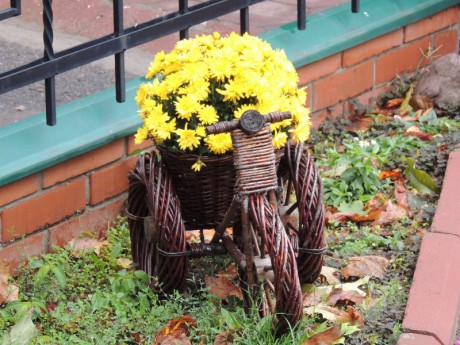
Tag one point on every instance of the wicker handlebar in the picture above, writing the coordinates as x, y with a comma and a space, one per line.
228, 126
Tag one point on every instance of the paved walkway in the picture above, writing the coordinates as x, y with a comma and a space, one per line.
21, 41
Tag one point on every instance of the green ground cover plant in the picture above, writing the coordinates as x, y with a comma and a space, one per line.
382, 170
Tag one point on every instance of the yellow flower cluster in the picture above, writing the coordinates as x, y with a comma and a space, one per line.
209, 79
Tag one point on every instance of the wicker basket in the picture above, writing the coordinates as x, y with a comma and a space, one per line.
204, 195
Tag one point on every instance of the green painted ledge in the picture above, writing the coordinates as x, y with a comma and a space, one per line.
337, 29
30, 146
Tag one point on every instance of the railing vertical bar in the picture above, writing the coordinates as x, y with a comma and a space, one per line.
183, 8
17, 5
244, 20
301, 14
355, 6
120, 82
50, 87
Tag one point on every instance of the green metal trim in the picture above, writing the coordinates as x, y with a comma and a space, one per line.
30, 146
337, 29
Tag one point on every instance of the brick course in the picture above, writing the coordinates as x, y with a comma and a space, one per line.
404, 59
81, 164
91, 220
319, 69
18, 189
371, 48
110, 181
43, 209
17, 252
446, 42
340, 86
431, 24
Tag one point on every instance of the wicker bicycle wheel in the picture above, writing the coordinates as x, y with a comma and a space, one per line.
156, 227
298, 172
278, 292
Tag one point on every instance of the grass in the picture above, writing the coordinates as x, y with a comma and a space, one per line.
89, 298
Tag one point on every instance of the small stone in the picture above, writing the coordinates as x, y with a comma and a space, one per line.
441, 81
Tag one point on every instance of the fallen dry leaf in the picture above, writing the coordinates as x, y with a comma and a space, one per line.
401, 193
376, 202
418, 114
339, 296
352, 317
391, 174
355, 285
8, 292
181, 339
421, 135
391, 213
83, 245
358, 266
395, 102
362, 124
224, 338
421, 102
194, 235
326, 337
222, 287
326, 311
229, 272
316, 294
176, 331
124, 262
330, 275
415, 131
343, 217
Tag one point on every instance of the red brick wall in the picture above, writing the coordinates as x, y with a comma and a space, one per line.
87, 192
363, 71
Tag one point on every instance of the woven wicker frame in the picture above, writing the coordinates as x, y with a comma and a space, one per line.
298, 167
266, 220
151, 197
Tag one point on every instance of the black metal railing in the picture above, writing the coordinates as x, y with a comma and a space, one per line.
14, 10
117, 43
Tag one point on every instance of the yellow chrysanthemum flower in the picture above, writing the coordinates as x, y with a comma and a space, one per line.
186, 106
210, 78
165, 129
188, 139
198, 165
141, 135
219, 143
208, 115
156, 65
279, 140
200, 131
